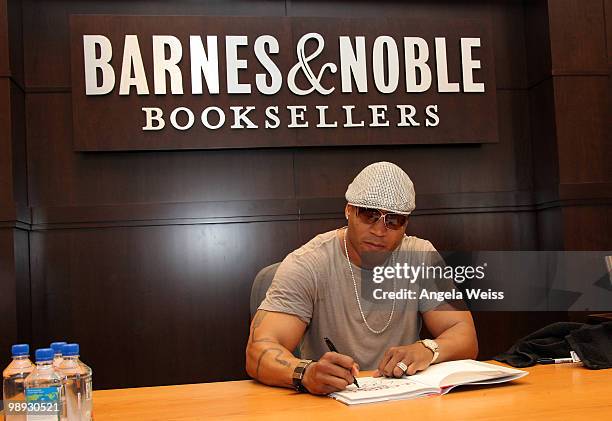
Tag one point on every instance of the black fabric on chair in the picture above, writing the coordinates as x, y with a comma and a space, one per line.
593, 344
260, 286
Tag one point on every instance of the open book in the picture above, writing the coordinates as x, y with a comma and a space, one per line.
437, 379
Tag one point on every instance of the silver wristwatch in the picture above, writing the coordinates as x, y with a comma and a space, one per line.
432, 346
298, 375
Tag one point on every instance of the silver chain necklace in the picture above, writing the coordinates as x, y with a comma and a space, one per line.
357, 294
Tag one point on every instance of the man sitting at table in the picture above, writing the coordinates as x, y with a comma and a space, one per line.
316, 293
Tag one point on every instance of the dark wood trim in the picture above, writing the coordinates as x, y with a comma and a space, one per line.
162, 222
574, 202
260, 210
168, 212
539, 82
16, 225
243, 211
574, 192
18, 83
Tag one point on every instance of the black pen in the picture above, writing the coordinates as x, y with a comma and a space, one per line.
332, 348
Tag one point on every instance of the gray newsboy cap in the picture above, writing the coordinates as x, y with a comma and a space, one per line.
384, 186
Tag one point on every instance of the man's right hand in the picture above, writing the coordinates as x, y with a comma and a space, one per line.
332, 373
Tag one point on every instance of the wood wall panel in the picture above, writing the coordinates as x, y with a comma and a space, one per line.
309, 228
15, 31
537, 42
6, 154
14, 257
21, 246
508, 19
171, 303
13, 172
236, 211
583, 129
543, 140
8, 302
599, 220
575, 24
70, 178
18, 151
550, 229
4, 40
505, 166
477, 231
608, 20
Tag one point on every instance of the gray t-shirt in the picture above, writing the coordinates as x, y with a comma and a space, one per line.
314, 283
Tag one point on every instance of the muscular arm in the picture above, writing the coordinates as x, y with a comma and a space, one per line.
272, 339
454, 332
269, 359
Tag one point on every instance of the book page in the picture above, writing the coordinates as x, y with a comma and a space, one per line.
374, 389
436, 379
452, 373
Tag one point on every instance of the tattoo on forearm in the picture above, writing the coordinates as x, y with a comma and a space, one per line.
277, 358
259, 316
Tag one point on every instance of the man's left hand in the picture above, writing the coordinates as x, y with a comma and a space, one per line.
416, 357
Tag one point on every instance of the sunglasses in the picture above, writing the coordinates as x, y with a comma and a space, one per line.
392, 221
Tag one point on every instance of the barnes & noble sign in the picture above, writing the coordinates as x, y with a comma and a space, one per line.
195, 82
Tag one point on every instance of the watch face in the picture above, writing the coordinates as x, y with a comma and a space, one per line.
298, 373
430, 344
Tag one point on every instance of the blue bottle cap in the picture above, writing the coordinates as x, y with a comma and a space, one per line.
20, 350
70, 350
57, 347
44, 354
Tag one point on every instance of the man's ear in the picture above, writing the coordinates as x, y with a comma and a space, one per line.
407, 221
347, 211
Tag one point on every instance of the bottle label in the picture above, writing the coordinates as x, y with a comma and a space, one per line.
43, 403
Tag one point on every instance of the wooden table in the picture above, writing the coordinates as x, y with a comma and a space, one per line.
563, 391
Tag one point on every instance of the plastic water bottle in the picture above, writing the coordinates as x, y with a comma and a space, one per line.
43, 389
57, 353
13, 383
77, 379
